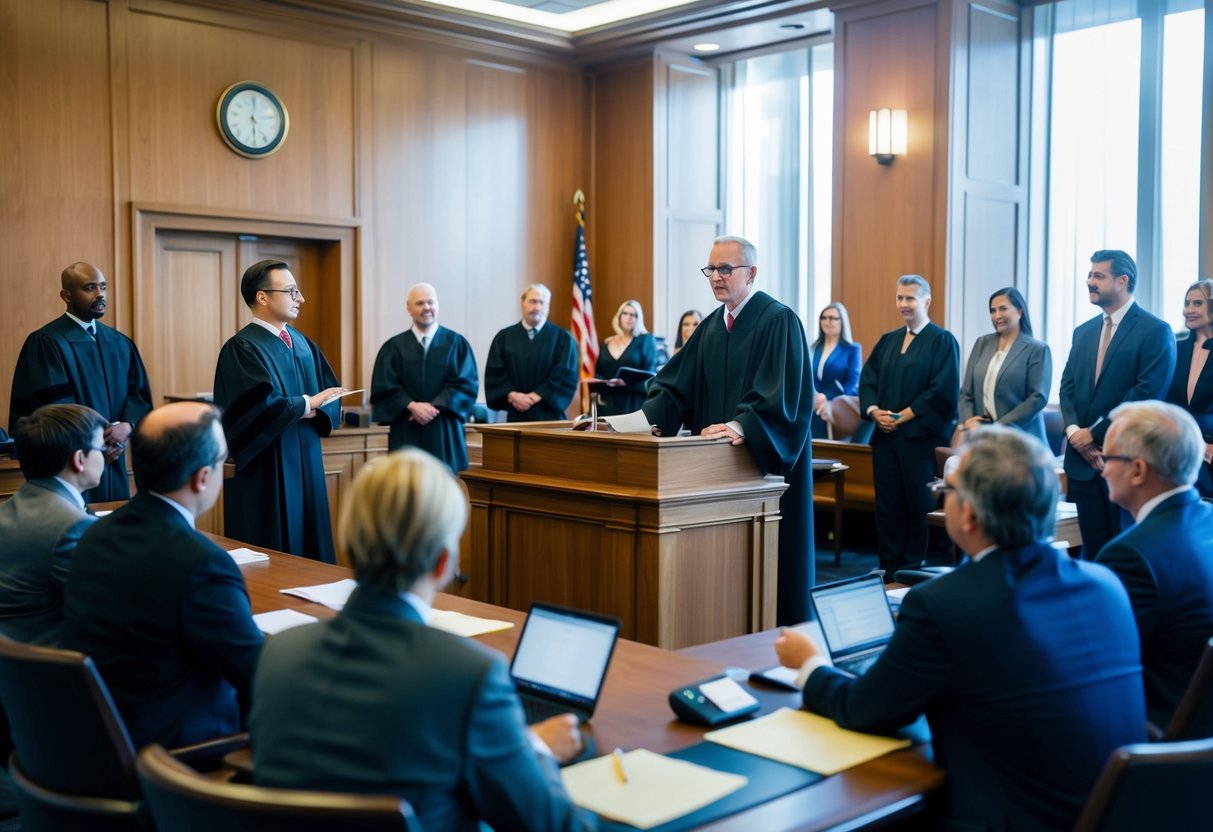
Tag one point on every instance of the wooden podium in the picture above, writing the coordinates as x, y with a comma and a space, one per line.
678, 537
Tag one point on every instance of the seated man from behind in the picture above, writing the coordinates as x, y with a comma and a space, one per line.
1152, 454
375, 701
62, 455
161, 609
1024, 661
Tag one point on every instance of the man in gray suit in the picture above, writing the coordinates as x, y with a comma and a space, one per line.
61, 449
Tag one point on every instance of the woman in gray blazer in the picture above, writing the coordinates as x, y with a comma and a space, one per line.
1009, 373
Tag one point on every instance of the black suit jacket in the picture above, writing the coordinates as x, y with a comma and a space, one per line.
1201, 405
164, 614
1026, 666
1166, 564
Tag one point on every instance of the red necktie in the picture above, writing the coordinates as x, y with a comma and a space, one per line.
728, 321
286, 339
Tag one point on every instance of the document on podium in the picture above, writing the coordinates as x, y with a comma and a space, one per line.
654, 790
807, 740
244, 555
332, 595
635, 422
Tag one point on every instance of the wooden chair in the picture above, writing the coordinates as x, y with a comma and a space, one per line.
1151, 786
182, 800
74, 763
1193, 717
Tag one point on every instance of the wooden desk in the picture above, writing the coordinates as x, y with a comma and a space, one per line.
633, 711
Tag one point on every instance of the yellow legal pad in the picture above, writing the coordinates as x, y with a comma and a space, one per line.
806, 740
465, 625
659, 789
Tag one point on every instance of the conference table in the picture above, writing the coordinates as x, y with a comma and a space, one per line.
633, 711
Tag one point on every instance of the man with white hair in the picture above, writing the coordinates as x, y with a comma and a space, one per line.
531, 373
1151, 455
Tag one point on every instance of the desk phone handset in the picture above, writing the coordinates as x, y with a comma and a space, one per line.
713, 701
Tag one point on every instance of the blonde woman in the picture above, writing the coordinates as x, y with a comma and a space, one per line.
630, 347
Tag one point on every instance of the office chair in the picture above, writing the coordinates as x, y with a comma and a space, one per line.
73, 763
1151, 786
1193, 717
182, 800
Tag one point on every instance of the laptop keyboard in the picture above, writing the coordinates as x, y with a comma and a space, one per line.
860, 662
537, 711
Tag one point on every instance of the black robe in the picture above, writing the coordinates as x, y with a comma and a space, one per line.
759, 376
278, 498
641, 354
62, 364
546, 365
445, 376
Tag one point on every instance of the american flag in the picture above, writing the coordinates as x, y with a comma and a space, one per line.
583, 309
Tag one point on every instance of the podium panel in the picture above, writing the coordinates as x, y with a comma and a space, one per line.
677, 537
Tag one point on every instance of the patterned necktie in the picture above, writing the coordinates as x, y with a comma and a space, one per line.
1104, 340
286, 339
728, 321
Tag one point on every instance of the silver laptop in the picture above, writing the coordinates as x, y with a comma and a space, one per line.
856, 621
562, 660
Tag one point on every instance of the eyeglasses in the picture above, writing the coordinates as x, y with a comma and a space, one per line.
830, 318
724, 269
293, 292
1116, 458
939, 487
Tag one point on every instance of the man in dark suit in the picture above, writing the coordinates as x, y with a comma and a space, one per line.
1024, 661
909, 387
1151, 455
61, 455
531, 372
160, 608
375, 701
1125, 354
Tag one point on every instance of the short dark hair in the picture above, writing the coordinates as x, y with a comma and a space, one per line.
1122, 263
47, 438
165, 461
257, 277
1013, 295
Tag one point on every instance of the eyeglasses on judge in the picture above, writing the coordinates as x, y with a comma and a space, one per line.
724, 269
293, 292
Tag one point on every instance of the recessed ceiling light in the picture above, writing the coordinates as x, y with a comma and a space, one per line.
792, 26
706, 47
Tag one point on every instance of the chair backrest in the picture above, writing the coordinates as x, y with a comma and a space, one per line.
47, 810
67, 732
844, 419
184, 801
1152, 786
1193, 717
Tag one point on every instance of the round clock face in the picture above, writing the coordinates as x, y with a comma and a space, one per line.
252, 120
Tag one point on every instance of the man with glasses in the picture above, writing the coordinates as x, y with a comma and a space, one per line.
279, 397
79, 360
1151, 455
61, 449
1024, 661
531, 372
161, 609
744, 376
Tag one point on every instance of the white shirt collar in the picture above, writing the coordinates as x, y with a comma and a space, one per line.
83, 324
921, 327
182, 510
269, 326
736, 313
420, 333
1119, 314
1153, 503
74, 491
424, 610
975, 558
526, 325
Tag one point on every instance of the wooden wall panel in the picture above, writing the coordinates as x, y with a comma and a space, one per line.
55, 173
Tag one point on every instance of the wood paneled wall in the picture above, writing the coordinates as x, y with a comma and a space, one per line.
455, 165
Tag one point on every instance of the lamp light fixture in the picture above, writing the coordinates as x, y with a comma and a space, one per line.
887, 134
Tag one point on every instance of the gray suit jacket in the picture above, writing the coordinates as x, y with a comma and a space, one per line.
1022, 388
39, 529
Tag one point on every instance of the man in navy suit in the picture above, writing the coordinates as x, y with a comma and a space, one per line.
1125, 354
161, 609
375, 701
1024, 661
1151, 455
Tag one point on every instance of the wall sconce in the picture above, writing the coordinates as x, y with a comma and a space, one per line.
887, 134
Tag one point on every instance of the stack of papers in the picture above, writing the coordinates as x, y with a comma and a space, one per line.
332, 595
243, 556
278, 620
658, 789
806, 740
465, 625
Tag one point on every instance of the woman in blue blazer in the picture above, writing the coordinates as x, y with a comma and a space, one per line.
1192, 385
836, 362
1009, 373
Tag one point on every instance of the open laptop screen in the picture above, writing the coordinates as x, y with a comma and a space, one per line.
854, 614
564, 654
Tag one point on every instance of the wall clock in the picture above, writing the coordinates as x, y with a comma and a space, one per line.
251, 119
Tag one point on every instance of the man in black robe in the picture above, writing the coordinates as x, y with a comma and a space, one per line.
910, 387
425, 384
279, 396
743, 376
531, 373
76, 359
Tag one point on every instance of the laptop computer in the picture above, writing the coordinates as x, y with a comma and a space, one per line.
561, 661
856, 620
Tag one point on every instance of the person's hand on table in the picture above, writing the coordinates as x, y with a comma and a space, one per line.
561, 734
794, 648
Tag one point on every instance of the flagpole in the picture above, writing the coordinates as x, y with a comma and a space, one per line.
582, 318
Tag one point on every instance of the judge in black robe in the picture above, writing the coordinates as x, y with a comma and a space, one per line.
531, 372
62, 363
439, 381
910, 387
271, 396
754, 375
